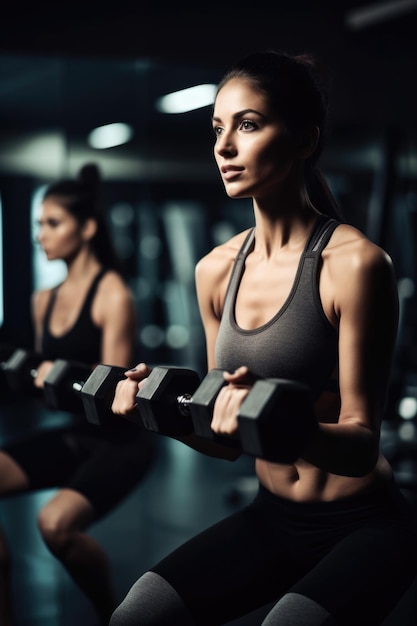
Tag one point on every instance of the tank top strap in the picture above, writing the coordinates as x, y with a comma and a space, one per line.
50, 306
237, 270
93, 288
320, 235
246, 246
87, 302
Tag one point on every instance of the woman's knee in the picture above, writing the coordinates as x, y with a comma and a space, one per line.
297, 610
62, 518
152, 601
54, 533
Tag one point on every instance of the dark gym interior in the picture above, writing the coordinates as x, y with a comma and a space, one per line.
68, 68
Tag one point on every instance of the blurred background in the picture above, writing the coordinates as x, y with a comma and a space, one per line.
68, 69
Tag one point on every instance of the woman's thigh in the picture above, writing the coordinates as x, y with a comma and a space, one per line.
229, 569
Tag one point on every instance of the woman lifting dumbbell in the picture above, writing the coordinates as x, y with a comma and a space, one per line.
88, 318
329, 538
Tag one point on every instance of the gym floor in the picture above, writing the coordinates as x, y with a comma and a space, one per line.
183, 493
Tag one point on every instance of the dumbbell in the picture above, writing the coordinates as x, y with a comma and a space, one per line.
19, 371
62, 383
275, 421
72, 386
98, 391
163, 402
174, 401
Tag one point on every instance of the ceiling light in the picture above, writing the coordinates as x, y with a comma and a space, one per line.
371, 14
110, 135
187, 99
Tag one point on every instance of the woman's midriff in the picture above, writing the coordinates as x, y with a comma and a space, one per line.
303, 482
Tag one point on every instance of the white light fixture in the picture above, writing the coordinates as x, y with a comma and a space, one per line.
407, 408
187, 99
372, 14
110, 135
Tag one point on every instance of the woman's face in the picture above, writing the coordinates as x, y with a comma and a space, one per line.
254, 150
60, 234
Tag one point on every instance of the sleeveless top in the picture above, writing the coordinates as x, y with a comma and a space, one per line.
82, 342
298, 343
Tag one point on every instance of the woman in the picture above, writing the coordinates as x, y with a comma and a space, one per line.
328, 539
88, 318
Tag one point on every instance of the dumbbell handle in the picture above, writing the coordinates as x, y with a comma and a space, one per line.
78, 386
184, 401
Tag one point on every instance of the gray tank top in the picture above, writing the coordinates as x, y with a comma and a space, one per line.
298, 343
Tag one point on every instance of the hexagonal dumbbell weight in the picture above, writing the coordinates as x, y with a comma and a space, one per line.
19, 370
98, 391
201, 408
277, 420
164, 398
62, 383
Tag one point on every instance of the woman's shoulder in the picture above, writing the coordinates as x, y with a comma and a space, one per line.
351, 252
40, 301
112, 277
41, 297
220, 258
113, 287
350, 242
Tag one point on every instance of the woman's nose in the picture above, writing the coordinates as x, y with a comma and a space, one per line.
225, 145
40, 235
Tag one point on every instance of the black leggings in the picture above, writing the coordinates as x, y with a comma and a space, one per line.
104, 465
355, 557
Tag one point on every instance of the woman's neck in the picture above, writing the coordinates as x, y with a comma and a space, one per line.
277, 229
82, 267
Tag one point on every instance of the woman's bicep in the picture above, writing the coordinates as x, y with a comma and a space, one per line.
119, 331
367, 335
205, 296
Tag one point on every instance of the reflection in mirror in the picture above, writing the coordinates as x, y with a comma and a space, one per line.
46, 274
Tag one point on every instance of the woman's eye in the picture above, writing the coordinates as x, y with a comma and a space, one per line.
247, 125
217, 130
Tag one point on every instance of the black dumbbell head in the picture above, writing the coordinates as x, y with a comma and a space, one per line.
159, 401
18, 370
59, 385
202, 402
202, 406
98, 391
277, 420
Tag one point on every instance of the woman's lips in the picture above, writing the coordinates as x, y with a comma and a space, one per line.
229, 173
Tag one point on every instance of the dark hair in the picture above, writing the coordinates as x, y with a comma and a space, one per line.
83, 199
295, 90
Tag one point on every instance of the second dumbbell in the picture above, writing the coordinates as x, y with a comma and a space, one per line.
275, 422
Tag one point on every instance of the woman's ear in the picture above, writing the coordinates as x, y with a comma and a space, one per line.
309, 138
89, 229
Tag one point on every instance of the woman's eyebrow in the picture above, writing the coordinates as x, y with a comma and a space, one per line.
239, 114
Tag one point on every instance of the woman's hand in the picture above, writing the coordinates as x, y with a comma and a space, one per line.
229, 400
124, 400
41, 373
